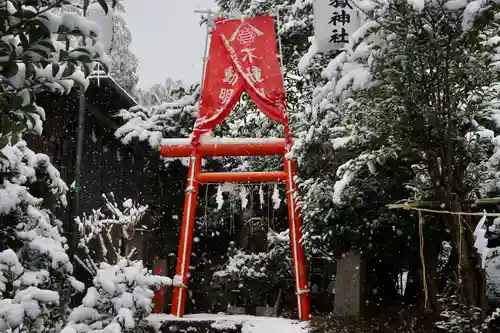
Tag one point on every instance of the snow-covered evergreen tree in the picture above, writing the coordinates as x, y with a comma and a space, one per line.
124, 63
36, 55
36, 281
160, 93
416, 87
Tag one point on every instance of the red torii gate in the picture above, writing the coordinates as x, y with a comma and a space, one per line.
227, 76
196, 176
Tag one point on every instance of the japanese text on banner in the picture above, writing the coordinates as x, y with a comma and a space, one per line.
243, 57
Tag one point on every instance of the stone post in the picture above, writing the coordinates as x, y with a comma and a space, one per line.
348, 285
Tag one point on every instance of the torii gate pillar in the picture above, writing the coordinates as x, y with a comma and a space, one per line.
253, 147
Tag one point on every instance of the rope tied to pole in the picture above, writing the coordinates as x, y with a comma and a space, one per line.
422, 257
460, 220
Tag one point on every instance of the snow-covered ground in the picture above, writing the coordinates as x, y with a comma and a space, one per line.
250, 324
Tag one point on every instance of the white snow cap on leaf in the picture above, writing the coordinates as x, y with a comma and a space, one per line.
470, 12
10, 262
481, 243
340, 185
418, 5
96, 14
456, 4
306, 60
274, 237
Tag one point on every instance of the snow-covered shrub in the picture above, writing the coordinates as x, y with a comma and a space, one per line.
36, 282
122, 292
36, 55
242, 265
458, 317
119, 301
96, 230
270, 271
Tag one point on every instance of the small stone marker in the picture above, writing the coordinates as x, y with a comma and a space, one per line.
348, 288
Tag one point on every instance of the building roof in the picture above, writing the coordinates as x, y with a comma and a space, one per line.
107, 95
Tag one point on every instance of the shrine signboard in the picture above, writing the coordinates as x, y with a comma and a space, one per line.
334, 22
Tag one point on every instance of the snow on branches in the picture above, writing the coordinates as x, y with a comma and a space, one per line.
45, 58
377, 80
242, 265
122, 292
172, 118
19, 167
97, 229
35, 277
119, 301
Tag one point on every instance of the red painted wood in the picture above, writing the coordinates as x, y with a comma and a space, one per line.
226, 149
241, 177
299, 263
186, 237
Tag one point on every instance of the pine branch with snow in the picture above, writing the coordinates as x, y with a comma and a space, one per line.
173, 117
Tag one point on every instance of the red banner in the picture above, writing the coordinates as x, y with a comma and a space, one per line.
242, 57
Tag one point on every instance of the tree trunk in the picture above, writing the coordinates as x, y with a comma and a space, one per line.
431, 253
471, 277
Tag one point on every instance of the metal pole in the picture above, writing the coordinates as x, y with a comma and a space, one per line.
205, 57
78, 160
280, 47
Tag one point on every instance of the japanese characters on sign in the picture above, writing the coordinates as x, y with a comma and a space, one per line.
334, 22
251, 44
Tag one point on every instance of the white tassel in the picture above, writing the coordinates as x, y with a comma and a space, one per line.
219, 198
243, 197
261, 196
276, 197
